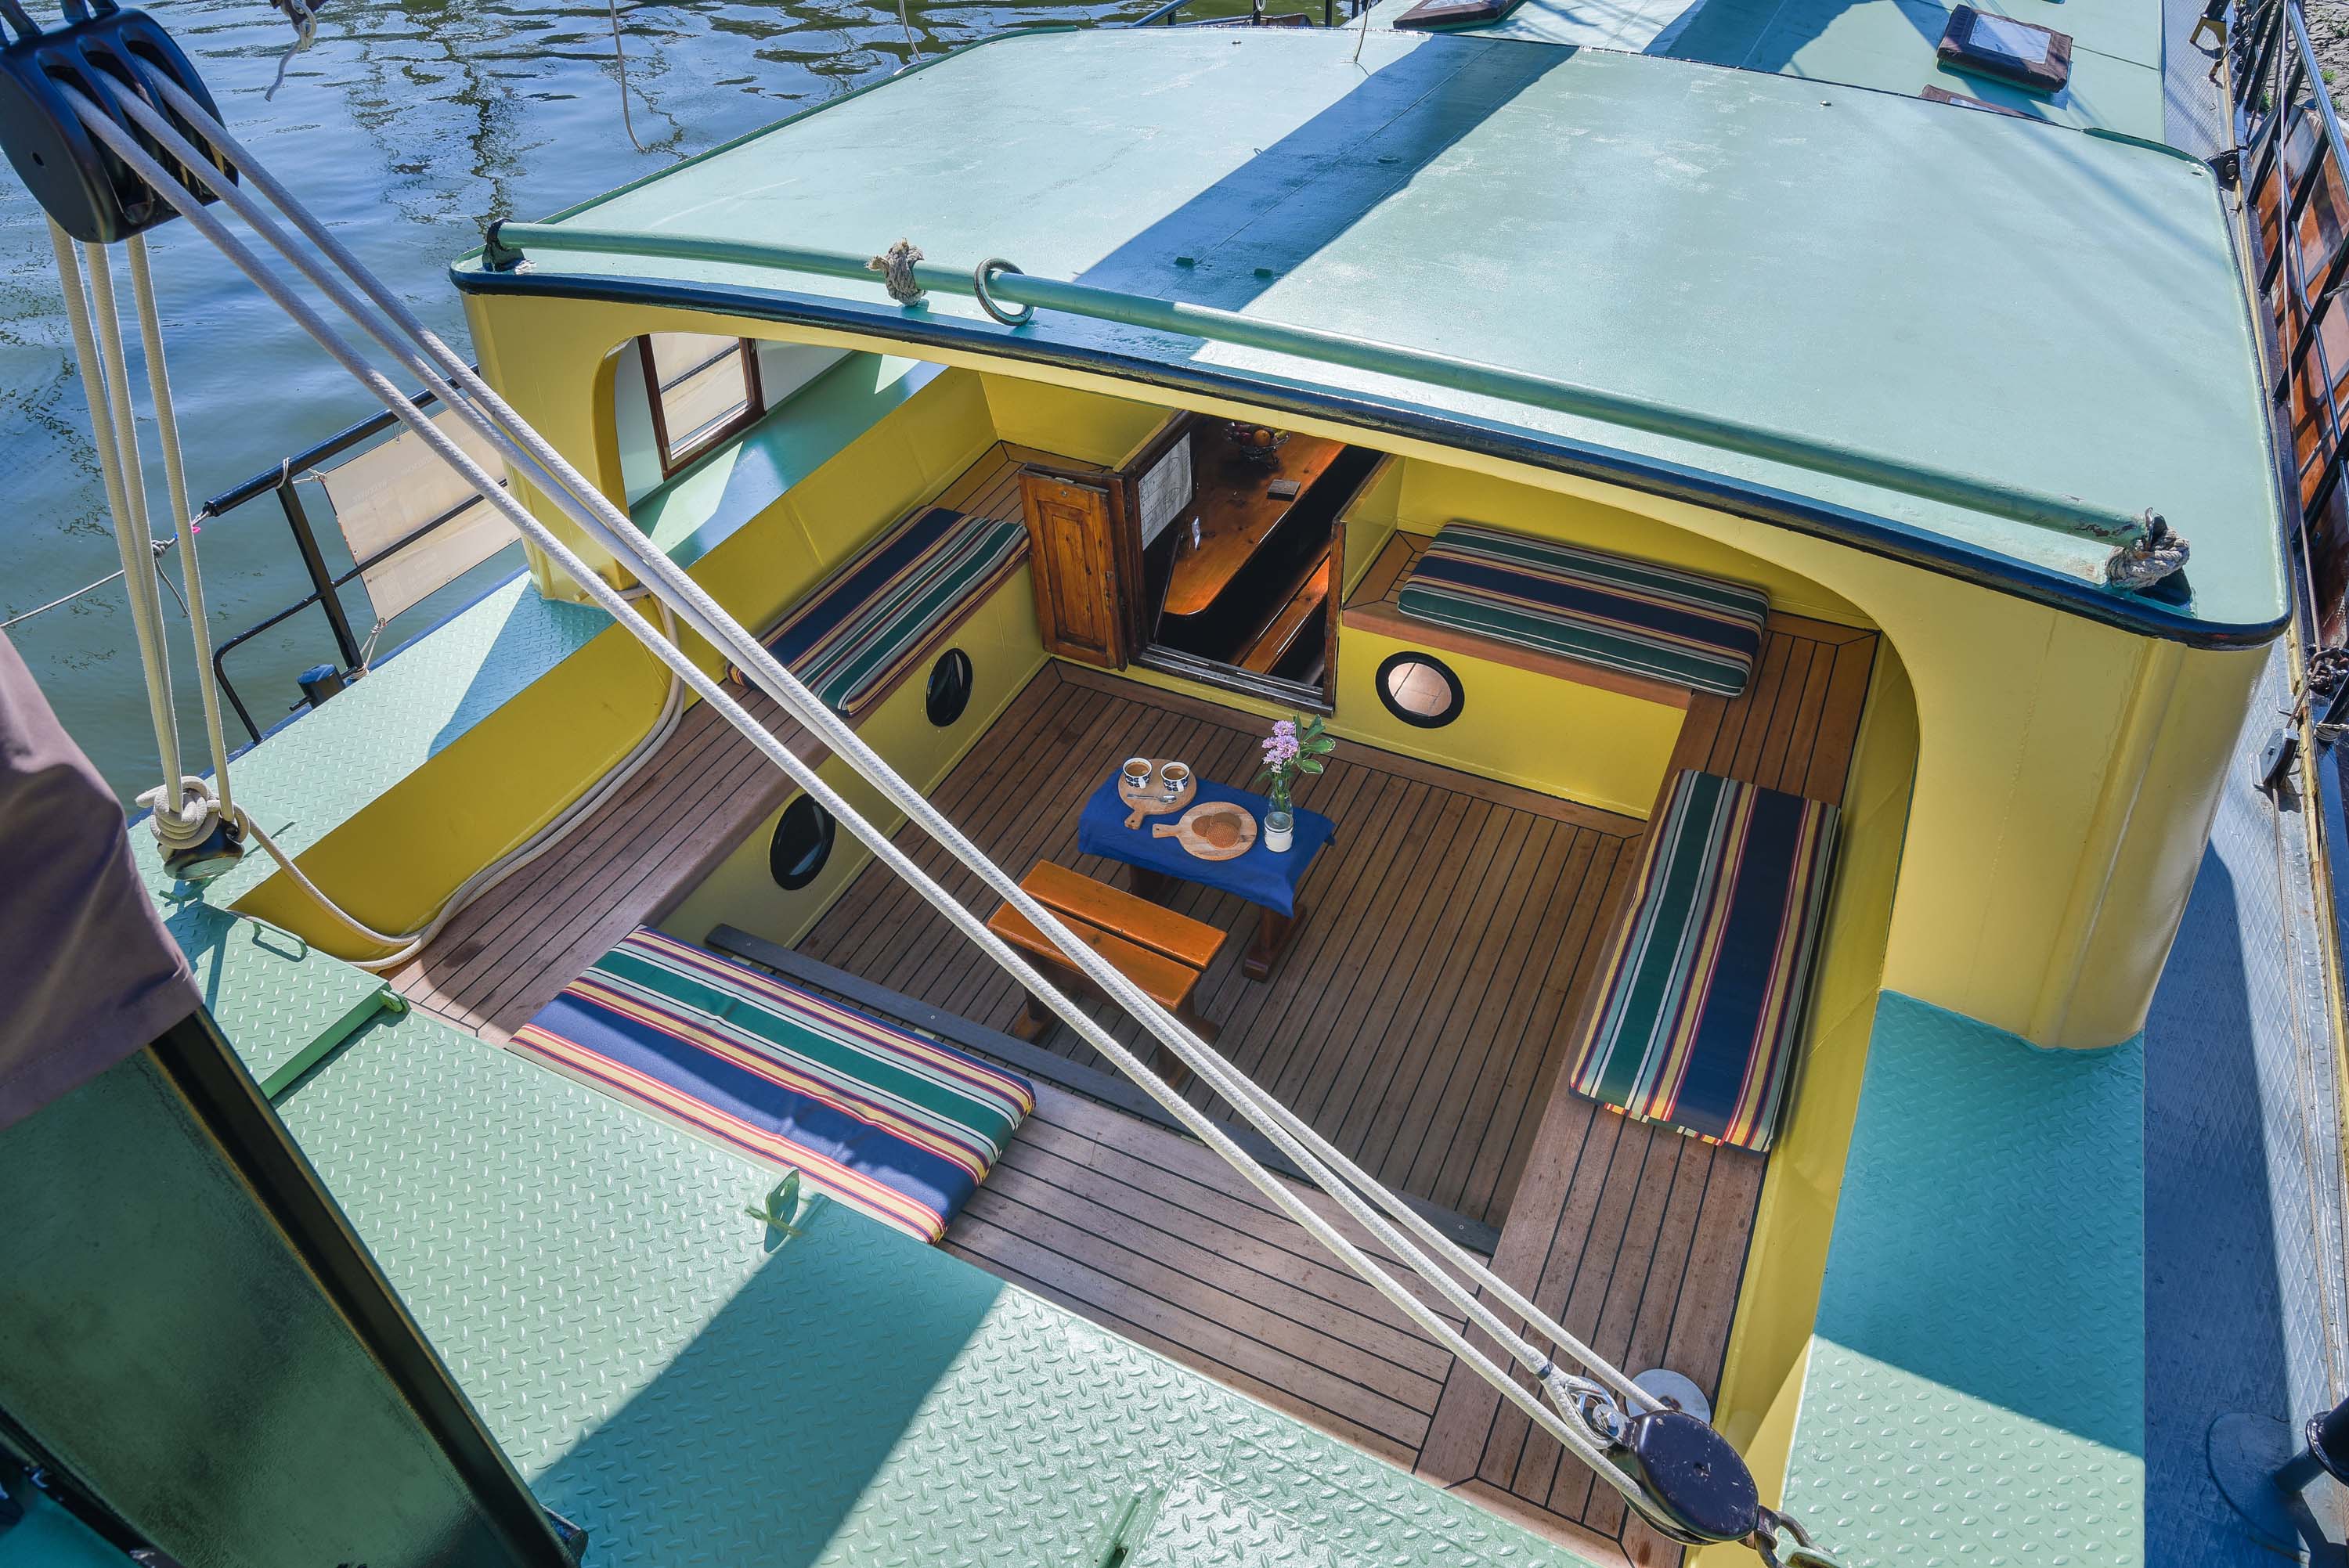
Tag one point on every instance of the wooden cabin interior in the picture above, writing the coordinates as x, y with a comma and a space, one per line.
1187, 577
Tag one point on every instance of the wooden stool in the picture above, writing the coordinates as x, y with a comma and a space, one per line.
1161, 952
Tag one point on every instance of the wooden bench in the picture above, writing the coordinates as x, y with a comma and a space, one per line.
1161, 952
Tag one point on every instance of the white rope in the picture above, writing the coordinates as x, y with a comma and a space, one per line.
406, 946
592, 510
175, 477
109, 419
620, 69
585, 503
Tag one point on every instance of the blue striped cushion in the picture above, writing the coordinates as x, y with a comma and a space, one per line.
1590, 607
853, 637
1697, 1007
895, 1125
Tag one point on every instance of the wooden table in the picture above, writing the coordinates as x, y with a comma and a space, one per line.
1236, 510
1161, 952
1263, 878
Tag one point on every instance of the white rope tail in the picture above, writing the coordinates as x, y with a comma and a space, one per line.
1591, 1412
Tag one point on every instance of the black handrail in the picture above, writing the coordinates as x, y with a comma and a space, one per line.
282, 480
1165, 15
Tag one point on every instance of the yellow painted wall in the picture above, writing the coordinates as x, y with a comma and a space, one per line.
1084, 428
399, 860
2066, 771
1371, 520
1778, 1299
1004, 653
1432, 494
396, 860
1560, 738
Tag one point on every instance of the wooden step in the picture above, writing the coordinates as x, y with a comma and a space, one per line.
1310, 598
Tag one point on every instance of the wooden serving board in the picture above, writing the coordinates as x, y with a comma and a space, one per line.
1151, 801
1219, 830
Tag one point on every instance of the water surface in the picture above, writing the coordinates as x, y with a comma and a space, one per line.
408, 128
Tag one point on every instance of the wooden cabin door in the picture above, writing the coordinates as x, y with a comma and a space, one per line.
1074, 558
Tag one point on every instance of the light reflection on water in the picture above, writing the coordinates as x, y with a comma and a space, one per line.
408, 129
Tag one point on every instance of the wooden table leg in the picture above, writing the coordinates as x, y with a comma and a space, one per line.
1155, 886
1035, 1020
1273, 934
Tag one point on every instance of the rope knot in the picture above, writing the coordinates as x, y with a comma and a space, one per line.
895, 266
2146, 560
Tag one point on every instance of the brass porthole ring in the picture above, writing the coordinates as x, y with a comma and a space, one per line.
986, 273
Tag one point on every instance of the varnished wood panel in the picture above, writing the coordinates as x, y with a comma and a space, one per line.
1072, 560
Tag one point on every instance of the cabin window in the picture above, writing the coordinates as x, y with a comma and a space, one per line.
802, 844
1420, 689
702, 388
949, 691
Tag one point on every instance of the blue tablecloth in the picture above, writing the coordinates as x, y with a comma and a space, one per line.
1259, 876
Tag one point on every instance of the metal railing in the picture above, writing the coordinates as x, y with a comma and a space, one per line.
2292, 168
326, 586
1170, 16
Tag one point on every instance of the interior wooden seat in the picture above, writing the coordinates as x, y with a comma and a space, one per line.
1161, 952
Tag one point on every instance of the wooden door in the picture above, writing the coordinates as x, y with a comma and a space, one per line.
1074, 564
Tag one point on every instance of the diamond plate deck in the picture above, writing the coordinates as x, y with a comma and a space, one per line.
852, 1398
281, 1003
2004, 1185
306, 780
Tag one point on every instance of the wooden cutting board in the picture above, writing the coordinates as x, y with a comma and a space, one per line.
1151, 800
1219, 830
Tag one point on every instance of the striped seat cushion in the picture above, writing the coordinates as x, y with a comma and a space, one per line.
1698, 1006
853, 637
1589, 606
893, 1125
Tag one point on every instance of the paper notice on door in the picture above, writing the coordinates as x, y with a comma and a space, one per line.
1165, 490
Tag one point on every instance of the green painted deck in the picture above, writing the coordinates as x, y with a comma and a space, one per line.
2055, 309
851, 1396
2005, 1186
310, 777
1884, 44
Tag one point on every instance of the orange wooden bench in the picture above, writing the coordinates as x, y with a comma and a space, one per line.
1161, 952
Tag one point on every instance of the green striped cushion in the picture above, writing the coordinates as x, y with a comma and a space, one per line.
853, 637
895, 1125
1697, 1007
1590, 607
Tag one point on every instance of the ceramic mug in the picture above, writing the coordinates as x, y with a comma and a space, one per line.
1136, 772
1174, 776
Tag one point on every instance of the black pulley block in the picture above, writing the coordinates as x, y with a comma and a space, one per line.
1694, 1473
100, 53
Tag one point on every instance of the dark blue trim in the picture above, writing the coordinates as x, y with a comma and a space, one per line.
1819, 520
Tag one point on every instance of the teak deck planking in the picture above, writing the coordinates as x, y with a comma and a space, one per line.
1633, 1237
508, 953
1420, 1019
1369, 1027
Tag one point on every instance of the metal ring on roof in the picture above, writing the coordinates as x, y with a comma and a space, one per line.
984, 275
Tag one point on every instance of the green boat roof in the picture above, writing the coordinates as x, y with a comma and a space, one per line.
2049, 309
2116, 61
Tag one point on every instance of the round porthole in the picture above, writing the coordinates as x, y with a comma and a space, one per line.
949, 691
802, 844
1420, 689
